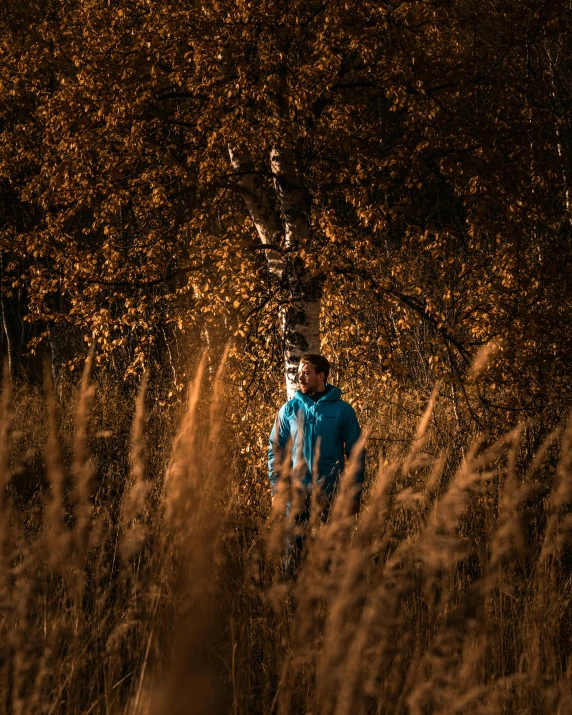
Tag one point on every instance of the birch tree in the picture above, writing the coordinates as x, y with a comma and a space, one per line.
286, 230
375, 180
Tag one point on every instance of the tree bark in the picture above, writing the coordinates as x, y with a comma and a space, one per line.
265, 217
300, 321
9, 327
288, 227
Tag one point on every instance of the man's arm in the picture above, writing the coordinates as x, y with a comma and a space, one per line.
276, 444
351, 434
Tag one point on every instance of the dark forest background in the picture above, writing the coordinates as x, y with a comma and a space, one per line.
186, 186
432, 145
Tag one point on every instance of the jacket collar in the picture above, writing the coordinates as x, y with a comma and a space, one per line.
333, 393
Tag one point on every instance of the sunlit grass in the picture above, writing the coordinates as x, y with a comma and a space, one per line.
127, 587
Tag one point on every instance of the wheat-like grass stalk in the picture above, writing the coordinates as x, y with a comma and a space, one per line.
450, 591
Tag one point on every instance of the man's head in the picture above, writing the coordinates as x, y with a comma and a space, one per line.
313, 373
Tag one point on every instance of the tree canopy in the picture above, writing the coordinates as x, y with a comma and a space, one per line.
176, 167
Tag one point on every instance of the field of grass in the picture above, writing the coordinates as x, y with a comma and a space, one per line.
141, 572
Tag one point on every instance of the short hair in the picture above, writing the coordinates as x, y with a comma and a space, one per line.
319, 362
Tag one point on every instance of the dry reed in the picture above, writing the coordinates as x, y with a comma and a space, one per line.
449, 592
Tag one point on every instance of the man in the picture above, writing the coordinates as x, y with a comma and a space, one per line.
320, 425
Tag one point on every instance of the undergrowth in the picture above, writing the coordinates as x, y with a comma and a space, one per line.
141, 568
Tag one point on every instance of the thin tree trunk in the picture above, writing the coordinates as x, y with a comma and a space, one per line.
56, 354
265, 217
288, 227
559, 123
9, 333
300, 321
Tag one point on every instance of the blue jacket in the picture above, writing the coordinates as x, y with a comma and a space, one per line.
331, 420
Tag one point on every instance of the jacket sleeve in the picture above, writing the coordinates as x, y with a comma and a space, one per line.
351, 433
276, 444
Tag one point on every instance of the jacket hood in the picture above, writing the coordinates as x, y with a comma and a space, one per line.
333, 393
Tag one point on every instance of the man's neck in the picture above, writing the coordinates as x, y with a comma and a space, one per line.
318, 393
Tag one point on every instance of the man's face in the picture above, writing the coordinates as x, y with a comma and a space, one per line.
310, 381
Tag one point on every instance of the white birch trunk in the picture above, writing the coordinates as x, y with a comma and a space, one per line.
265, 217
300, 321
290, 228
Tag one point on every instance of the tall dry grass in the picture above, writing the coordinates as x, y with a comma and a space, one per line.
130, 588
